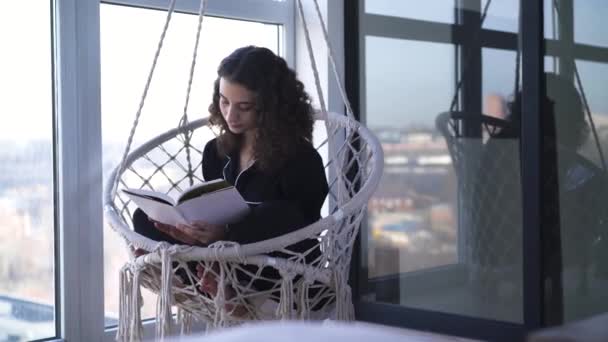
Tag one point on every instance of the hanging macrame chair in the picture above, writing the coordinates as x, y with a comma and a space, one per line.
305, 289
493, 237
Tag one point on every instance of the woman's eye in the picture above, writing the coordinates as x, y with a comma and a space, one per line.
224, 103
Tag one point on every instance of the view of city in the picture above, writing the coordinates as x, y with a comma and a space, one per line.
413, 211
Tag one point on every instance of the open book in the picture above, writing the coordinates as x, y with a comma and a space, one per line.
215, 202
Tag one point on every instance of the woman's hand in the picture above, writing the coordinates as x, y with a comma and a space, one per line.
195, 233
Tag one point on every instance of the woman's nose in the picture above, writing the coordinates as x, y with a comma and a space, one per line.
231, 112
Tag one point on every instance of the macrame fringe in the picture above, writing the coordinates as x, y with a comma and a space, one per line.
285, 308
165, 297
137, 329
345, 310
219, 300
185, 320
304, 305
124, 309
130, 301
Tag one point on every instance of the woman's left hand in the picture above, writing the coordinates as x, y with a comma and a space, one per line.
197, 232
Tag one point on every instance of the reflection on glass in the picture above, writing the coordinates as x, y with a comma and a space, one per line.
580, 232
445, 225
27, 279
498, 81
412, 224
127, 49
431, 10
575, 140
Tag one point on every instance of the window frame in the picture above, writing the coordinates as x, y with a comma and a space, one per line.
78, 155
78, 148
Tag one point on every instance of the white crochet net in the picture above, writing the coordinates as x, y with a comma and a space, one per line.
265, 280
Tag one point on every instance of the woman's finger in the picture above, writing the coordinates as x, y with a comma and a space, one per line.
165, 228
199, 223
162, 225
202, 225
177, 234
197, 234
190, 229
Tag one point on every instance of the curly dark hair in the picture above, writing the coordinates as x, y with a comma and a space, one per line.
283, 112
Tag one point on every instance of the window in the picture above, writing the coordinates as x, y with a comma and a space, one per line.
27, 174
51, 261
129, 37
588, 16
576, 90
403, 239
437, 238
526, 179
502, 15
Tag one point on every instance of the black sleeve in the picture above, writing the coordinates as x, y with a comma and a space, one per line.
304, 182
266, 221
212, 163
303, 186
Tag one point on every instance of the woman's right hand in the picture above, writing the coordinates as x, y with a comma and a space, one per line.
178, 234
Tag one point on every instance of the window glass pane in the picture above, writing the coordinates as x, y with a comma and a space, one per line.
589, 20
412, 223
412, 211
430, 10
498, 81
445, 226
502, 15
550, 19
129, 38
575, 139
580, 232
27, 211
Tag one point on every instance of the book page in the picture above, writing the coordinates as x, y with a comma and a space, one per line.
153, 195
158, 211
201, 189
219, 207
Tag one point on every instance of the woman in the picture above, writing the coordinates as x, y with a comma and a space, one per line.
264, 149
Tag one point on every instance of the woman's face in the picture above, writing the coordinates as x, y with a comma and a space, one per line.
238, 106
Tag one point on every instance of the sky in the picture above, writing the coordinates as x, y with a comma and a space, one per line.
419, 87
